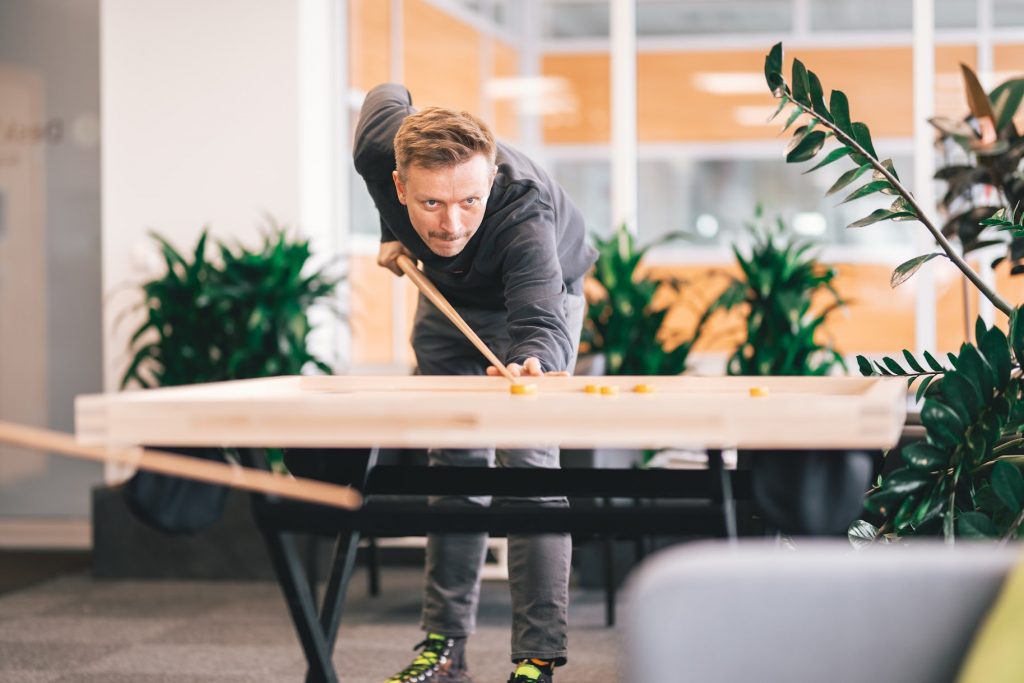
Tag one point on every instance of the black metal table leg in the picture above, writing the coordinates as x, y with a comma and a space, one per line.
723, 494
341, 573
291, 575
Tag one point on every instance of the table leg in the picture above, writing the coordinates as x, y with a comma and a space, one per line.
723, 494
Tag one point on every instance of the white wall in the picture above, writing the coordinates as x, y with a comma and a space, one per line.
202, 104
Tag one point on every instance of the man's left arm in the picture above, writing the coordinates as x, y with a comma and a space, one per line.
534, 298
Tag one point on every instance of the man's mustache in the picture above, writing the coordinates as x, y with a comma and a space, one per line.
446, 237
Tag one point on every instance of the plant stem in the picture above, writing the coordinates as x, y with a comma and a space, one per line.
958, 260
1012, 531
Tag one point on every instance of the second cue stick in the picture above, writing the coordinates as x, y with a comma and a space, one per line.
431, 292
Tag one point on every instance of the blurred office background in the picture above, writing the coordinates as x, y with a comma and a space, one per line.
120, 117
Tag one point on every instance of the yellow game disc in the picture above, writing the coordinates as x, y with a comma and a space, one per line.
609, 390
758, 392
591, 389
523, 389
643, 389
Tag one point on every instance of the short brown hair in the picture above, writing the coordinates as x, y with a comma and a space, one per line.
438, 137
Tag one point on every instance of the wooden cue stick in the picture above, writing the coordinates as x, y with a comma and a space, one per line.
210, 471
431, 292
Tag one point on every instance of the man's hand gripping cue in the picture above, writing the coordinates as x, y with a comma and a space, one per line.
530, 368
388, 255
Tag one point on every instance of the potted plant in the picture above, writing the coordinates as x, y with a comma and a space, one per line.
239, 316
963, 478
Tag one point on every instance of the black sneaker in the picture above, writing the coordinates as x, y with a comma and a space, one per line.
532, 671
440, 661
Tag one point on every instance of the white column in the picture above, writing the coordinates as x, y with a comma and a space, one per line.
396, 73
924, 164
530, 121
323, 176
623, 74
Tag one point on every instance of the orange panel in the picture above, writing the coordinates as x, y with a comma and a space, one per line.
878, 319
442, 58
674, 102
590, 91
370, 318
506, 114
370, 43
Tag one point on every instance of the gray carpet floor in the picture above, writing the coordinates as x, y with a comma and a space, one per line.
74, 629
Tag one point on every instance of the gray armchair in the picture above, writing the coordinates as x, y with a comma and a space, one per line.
820, 613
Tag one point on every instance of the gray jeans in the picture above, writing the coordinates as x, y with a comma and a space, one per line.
538, 564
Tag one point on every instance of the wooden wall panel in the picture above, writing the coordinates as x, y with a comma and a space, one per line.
506, 112
590, 88
370, 43
878, 319
671, 106
442, 58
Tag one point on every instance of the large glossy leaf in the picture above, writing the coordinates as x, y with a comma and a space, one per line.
976, 369
942, 423
880, 215
834, 155
847, 178
800, 84
996, 350
906, 270
975, 525
1006, 99
863, 137
1008, 486
773, 69
817, 96
963, 396
809, 145
922, 455
869, 189
841, 112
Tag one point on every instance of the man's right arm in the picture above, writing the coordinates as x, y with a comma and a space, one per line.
383, 111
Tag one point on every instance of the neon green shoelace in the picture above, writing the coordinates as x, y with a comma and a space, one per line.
432, 646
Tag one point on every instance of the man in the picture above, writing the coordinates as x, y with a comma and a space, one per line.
506, 247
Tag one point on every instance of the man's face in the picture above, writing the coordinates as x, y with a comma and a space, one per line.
446, 205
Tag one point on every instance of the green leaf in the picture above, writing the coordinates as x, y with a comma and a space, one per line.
962, 396
971, 364
1008, 485
1006, 99
773, 70
863, 137
1017, 334
975, 525
996, 350
847, 178
921, 455
894, 366
912, 362
834, 155
942, 423
869, 189
841, 112
817, 96
808, 146
906, 270
800, 84
922, 388
932, 363
865, 366
880, 215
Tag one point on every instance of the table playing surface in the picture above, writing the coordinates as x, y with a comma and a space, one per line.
576, 412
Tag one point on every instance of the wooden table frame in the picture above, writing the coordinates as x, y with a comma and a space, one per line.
372, 412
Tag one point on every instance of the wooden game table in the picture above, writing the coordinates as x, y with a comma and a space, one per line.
323, 413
